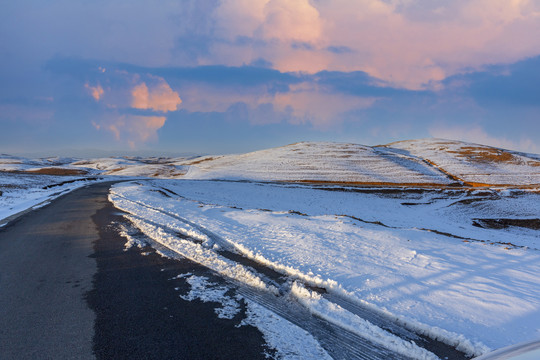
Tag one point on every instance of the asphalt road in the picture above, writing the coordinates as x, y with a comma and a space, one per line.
68, 290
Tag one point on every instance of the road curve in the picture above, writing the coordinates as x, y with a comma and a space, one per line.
68, 290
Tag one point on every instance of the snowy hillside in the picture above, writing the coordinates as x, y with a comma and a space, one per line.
321, 162
475, 164
427, 162
119, 166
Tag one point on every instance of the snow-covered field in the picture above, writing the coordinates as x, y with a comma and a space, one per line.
439, 237
476, 288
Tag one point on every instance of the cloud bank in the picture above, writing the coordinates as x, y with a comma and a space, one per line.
411, 44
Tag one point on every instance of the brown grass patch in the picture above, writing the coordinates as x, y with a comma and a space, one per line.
115, 170
58, 171
486, 154
450, 175
200, 161
476, 184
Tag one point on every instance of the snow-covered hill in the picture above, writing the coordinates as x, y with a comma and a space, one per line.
320, 162
426, 162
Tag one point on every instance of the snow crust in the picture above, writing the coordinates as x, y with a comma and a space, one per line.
470, 294
206, 291
164, 229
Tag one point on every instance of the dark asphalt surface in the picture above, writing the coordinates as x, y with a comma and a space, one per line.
68, 290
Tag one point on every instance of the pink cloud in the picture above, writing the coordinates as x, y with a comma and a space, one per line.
317, 106
159, 97
95, 91
386, 39
291, 20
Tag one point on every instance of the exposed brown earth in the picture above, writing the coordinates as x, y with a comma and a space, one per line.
56, 171
450, 175
485, 154
115, 170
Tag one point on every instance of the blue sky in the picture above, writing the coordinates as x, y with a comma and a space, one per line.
221, 76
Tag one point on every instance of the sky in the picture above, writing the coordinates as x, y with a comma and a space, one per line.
228, 76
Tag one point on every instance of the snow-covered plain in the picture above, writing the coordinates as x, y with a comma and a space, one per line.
438, 236
478, 292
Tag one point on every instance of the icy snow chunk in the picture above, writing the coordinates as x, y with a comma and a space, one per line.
206, 291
